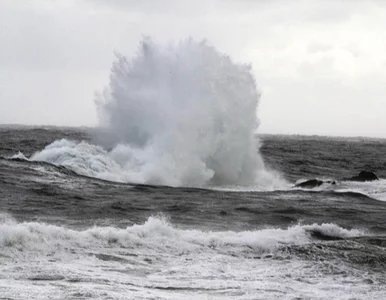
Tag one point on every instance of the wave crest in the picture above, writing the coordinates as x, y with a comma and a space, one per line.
159, 235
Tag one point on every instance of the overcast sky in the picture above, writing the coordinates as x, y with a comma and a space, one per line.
320, 64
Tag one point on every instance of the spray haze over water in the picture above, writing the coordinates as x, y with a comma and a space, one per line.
181, 115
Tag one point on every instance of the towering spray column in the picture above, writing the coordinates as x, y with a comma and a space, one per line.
186, 114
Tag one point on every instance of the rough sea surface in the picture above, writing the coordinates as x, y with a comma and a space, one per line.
65, 235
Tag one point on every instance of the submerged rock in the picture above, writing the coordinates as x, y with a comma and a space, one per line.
364, 176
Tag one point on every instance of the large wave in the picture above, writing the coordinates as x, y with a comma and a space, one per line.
181, 115
158, 260
159, 235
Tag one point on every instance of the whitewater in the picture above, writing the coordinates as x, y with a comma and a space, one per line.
149, 260
180, 115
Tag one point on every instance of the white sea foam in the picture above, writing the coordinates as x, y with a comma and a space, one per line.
6, 218
157, 233
19, 155
159, 260
180, 115
85, 159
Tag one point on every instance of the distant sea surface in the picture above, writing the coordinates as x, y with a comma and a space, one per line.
67, 234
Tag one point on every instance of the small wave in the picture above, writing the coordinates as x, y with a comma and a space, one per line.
43, 166
371, 189
344, 193
82, 158
19, 156
354, 194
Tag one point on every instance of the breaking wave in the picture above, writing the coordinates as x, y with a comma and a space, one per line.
180, 115
157, 234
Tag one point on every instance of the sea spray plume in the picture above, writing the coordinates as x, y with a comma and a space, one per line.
183, 115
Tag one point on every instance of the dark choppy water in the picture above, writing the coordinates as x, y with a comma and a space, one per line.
68, 236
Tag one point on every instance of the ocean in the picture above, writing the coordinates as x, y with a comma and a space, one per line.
174, 195
69, 233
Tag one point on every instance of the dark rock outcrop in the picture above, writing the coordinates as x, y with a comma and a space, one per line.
310, 184
313, 183
363, 176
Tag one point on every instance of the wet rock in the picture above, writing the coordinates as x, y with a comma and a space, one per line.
313, 183
310, 184
364, 176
